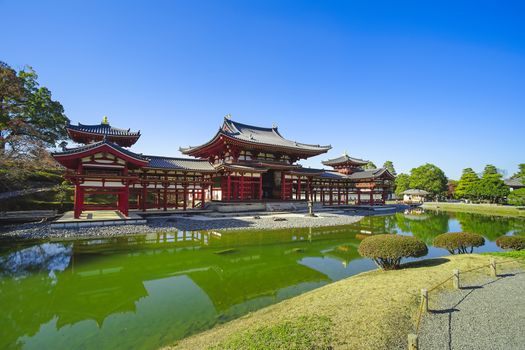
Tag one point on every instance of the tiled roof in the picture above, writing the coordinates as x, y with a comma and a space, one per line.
103, 129
260, 135
415, 192
98, 144
345, 158
307, 171
179, 164
333, 175
369, 174
515, 182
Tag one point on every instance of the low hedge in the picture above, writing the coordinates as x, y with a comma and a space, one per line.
511, 242
388, 250
458, 242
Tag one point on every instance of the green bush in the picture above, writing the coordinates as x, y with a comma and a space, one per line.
458, 242
511, 242
388, 250
517, 197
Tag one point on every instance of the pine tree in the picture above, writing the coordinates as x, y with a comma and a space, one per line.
390, 167
491, 186
370, 165
466, 187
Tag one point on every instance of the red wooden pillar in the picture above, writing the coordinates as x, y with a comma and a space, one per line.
165, 199
79, 201
185, 199
322, 193
331, 196
371, 196
193, 197
203, 195
229, 185
339, 195
176, 196
260, 187
144, 196
241, 188
283, 185
124, 201
359, 196
299, 194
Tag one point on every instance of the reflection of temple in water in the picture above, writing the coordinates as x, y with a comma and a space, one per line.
107, 276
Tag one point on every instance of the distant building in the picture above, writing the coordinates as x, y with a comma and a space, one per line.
515, 183
239, 163
414, 196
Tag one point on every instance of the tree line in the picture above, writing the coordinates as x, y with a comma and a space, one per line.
489, 187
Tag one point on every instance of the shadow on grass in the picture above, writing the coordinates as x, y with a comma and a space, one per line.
425, 263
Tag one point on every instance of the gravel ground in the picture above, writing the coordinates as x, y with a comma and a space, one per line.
181, 223
489, 315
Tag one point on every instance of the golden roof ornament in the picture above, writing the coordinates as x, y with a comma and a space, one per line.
105, 120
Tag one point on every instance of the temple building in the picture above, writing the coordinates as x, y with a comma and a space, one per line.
239, 163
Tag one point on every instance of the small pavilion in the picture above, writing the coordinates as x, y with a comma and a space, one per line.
414, 195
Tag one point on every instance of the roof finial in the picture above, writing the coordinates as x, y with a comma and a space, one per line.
105, 120
228, 116
274, 125
345, 153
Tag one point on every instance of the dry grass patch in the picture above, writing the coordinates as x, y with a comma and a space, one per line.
373, 310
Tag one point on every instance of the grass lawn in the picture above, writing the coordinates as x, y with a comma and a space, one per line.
513, 254
373, 310
489, 209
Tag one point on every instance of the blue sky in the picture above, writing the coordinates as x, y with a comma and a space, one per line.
412, 82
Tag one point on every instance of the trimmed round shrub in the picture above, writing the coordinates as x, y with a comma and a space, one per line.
388, 250
458, 242
511, 242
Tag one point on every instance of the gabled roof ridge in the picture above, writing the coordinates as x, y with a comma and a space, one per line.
235, 123
344, 158
86, 127
94, 145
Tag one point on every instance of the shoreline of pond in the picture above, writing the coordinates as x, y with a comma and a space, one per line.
195, 223
482, 209
368, 294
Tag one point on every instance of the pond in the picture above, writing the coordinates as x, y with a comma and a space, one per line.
146, 291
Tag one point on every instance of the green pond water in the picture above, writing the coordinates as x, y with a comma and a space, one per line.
145, 291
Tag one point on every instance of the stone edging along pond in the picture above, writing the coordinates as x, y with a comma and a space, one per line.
179, 223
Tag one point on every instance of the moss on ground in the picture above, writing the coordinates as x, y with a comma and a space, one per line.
303, 333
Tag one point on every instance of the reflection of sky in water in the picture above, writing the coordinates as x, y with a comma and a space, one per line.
336, 269
46, 257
